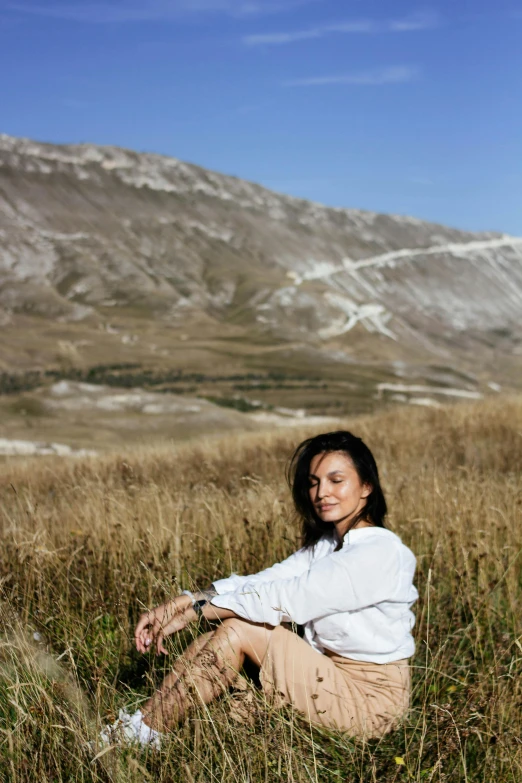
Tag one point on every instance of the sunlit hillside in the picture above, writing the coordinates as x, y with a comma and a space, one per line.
180, 279
88, 542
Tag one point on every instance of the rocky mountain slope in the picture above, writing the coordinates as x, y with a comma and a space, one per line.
90, 235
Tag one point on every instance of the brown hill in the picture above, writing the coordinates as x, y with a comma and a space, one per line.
111, 256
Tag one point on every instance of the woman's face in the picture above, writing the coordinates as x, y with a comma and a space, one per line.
336, 491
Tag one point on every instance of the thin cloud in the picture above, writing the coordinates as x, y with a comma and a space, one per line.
398, 74
412, 23
422, 20
152, 10
268, 39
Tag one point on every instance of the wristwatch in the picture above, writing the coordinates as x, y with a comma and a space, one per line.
198, 606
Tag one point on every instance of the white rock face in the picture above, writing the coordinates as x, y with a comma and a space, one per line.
85, 227
74, 396
418, 389
28, 448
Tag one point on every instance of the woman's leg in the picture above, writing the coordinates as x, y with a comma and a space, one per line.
190, 652
207, 672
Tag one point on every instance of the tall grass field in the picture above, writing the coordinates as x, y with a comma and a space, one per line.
87, 544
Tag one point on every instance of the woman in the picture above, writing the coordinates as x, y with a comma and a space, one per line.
350, 587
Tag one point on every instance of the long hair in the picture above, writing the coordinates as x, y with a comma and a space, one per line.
298, 474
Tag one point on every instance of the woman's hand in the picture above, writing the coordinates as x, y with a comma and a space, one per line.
165, 619
177, 623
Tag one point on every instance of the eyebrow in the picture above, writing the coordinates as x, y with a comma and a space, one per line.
332, 473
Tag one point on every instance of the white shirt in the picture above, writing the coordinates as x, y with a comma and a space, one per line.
355, 602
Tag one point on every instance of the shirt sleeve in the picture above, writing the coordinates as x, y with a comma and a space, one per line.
343, 581
296, 564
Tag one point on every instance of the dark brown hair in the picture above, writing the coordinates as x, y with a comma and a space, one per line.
313, 528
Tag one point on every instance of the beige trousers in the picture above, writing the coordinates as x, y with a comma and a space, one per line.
363, 699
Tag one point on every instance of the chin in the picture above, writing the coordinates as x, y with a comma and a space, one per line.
330, 514
326, 518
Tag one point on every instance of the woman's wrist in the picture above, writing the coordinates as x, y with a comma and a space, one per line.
200, 595
199, 605
196, 613
214, 613
191, 596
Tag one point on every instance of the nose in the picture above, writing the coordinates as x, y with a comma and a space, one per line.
320, 490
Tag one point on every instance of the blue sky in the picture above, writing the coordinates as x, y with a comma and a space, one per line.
378, 104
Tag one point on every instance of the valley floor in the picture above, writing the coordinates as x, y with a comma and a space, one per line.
87, 542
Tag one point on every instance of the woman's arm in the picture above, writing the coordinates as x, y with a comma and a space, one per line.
296, 564
184, 618
175, 615
166, 619
341, 582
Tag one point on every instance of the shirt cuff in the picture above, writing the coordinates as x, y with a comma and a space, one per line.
228, 585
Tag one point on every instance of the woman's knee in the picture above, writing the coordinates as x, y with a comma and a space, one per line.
251, 637
240, 634
234, 627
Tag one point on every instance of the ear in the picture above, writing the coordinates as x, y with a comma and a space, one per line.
366, 490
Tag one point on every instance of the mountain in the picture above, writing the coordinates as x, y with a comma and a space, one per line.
111, 255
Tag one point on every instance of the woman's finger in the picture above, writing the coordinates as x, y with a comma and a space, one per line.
144, 620
144, 639
138, 630
159, 645
139, 638
140, 643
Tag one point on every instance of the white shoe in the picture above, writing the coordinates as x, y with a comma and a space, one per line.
130, 730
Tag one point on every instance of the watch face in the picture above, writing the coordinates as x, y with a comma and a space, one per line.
198, 606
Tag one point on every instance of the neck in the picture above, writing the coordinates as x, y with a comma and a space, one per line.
343, 526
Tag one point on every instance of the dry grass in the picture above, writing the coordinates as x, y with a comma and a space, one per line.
86, 544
